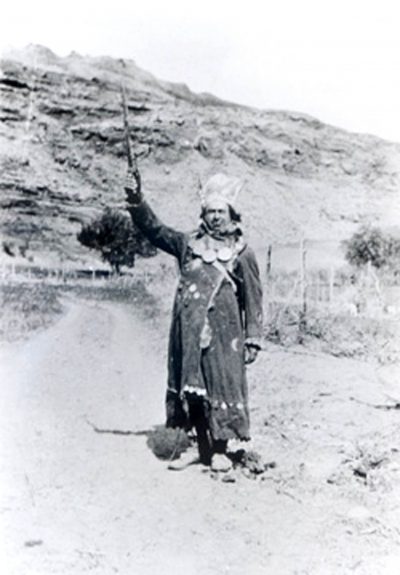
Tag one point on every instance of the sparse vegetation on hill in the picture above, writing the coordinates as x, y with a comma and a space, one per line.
62, 156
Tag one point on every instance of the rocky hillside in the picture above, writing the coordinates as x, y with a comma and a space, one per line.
62, 157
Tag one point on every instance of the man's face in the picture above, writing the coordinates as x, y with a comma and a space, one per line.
217, 216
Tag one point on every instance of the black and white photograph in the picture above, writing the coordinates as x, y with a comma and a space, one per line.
200, 287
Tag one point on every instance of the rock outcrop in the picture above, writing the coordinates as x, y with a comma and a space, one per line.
62, 156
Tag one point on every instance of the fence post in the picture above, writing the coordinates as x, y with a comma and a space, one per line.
318, 289
269, 260
268, 294
331, 285
303, 288
376, 285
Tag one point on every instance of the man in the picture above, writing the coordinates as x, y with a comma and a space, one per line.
217, 318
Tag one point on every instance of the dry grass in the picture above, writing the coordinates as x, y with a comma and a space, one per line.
29, 306
339, 334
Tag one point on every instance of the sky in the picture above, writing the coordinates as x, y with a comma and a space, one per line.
336, 60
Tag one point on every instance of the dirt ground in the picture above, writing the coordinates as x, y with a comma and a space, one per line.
74, 500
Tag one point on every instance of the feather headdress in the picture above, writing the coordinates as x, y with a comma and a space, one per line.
220, 187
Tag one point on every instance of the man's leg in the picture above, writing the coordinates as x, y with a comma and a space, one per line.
198, 417
219, 446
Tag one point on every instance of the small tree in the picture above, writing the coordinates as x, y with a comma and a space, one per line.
116, 238
372, 245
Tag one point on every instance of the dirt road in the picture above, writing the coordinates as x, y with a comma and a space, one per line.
76, 501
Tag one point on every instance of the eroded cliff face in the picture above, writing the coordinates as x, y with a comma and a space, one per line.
62, 157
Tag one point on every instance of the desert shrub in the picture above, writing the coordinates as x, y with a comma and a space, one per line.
116, 238
372, 245
167, 443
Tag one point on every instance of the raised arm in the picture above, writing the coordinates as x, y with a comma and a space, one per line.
160, 235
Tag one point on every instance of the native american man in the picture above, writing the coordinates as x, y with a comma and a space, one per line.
216, 321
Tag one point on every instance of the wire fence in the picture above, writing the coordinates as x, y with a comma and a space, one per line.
326, 289
15, 272
330, 289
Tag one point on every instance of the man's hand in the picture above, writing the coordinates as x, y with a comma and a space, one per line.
250, 353
132, 188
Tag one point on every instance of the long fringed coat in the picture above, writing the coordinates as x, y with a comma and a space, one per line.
217, 309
